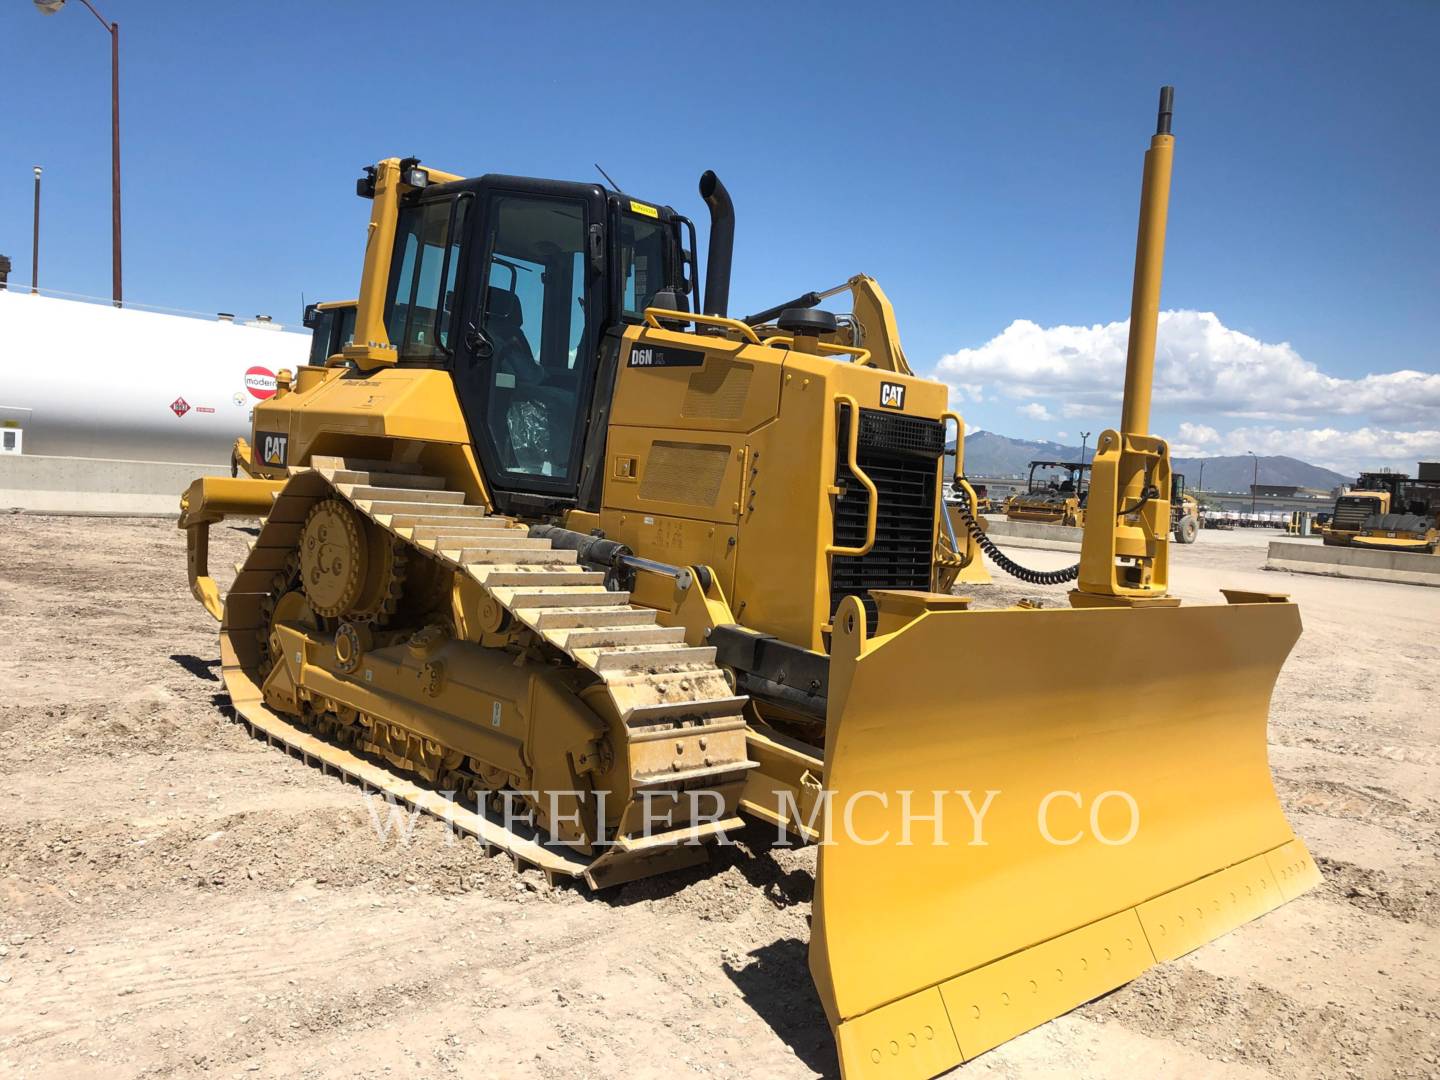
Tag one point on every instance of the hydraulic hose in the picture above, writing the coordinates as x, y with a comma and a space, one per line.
1000, 559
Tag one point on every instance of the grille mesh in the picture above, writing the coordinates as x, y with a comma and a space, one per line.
900, 454
689, 473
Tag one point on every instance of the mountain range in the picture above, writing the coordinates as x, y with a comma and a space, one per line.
991, 454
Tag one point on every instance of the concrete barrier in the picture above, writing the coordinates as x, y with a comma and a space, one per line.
71, 485
1371, 564
1033, 534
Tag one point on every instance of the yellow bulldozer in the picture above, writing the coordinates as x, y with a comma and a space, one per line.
559, 550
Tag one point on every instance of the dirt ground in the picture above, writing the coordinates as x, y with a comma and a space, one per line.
179, 900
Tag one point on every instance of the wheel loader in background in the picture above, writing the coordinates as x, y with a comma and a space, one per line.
1184, 511
562, 552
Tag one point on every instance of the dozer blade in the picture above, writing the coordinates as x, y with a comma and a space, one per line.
1085, 723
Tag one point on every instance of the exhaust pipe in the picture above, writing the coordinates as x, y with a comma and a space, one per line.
722, 244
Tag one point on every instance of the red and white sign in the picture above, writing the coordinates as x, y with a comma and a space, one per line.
179, 406
260, 381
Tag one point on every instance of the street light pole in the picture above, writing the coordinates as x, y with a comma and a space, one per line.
1084, 438
35, 240
1200, 488
1254, 480
50, 7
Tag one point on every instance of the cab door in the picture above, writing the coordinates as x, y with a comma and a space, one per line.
525, 365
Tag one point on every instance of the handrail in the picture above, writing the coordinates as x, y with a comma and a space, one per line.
873, 510
653, 315
959, 438
862, 355
958, 480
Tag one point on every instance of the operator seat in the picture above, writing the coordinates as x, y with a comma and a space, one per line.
503, 321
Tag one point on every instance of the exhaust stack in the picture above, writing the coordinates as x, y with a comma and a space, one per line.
722, 244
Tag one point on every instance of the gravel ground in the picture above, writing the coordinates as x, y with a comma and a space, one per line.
178, 900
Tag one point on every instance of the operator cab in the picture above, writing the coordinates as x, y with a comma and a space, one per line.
331, 326
1058, 478
521, 288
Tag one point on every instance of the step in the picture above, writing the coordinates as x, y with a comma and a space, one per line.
644, 657
596, 597
386, 479
411, 468
367, 491
439, 518
561, 618
478, 557
590, 637
440, 510
510, 575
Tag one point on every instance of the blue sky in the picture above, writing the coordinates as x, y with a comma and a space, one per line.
981, 161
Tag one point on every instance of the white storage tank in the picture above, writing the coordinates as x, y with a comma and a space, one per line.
91, 380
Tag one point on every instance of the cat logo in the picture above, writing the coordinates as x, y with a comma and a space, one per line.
892, 395
273, 447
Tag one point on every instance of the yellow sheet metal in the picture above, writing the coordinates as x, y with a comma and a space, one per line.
1051, 709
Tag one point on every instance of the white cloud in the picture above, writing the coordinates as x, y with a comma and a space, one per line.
1197, 434
1344, 451
1202, 367
1279, 402
1062, 434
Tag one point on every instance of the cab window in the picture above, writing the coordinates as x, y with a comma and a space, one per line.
422, 278
642, 263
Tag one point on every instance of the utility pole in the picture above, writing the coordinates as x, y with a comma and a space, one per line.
35, 239
50, 7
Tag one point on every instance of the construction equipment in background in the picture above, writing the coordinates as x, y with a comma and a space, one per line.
1389, 511
1056, 496
332, 327
1184, 511
624, 568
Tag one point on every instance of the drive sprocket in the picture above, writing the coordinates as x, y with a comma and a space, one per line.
349, 567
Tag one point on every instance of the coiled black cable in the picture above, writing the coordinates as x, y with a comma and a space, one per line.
1014, 569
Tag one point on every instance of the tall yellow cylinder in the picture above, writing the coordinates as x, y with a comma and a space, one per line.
1145, 299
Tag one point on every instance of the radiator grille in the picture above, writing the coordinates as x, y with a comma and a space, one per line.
901, 455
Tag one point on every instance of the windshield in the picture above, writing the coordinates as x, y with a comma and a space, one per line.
1061, 479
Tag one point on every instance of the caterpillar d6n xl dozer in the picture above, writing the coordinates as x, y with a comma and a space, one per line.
550, 537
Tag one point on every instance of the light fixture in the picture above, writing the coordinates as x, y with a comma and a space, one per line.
412, 175
49, 7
